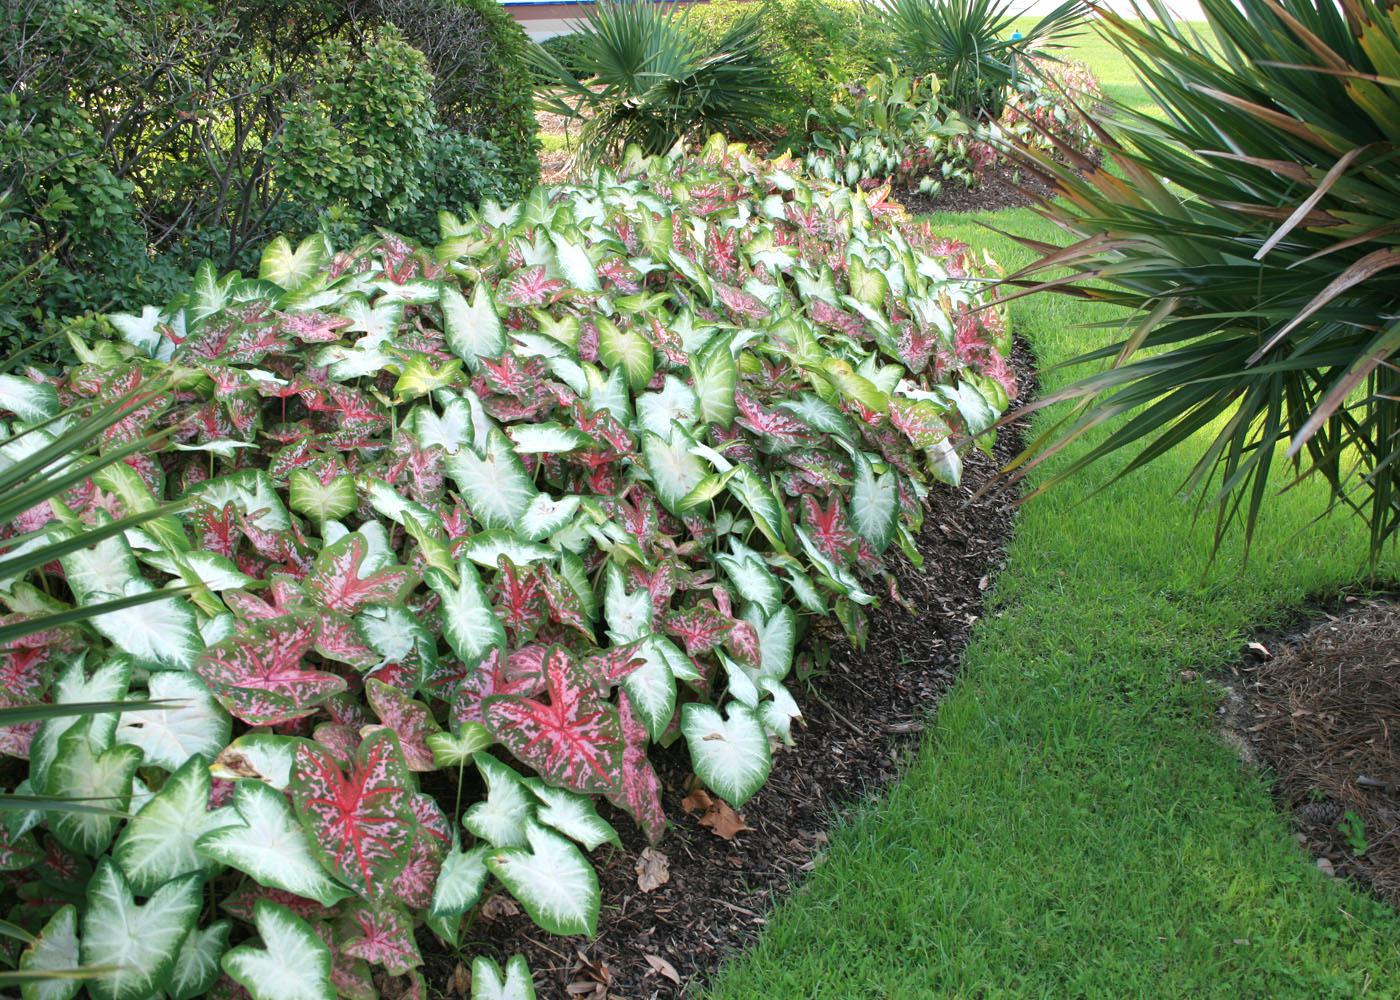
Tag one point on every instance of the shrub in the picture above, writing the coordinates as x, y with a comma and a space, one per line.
969, 45
1253, 230
567, 49
814, 47
654, 83
136, 139
481, 77
565, 486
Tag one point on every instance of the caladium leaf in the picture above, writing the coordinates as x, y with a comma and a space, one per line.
258, 673
874, 504
28, 400
414, 885
101, 777
473, 330
751, 577
489, 983
674, 468
488, 547
675, 403
921, 420
192, 724
702, 628
544, 516
730, 755
457, 749
521, 673
263, 757
716, 373
159, 842
267, 843
293, 963
501, 817
139, 942
625, 349
777, 640
342, 582
552, 880
575, 266
779, 710
463, 879
358, 824
197, 964
639, 791
547, 439
652, 687
628, 612
108, 683
452, 431
574, 740
381, 935
322, 501
54, 950
494, 483
410, 720
291, 269
469, 624
573, 815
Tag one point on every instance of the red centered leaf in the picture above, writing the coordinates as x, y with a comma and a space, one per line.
522, 674
415, 884
773, 425
701, 628
529, 287
360, 825
565, 606
829, 529
639, 792
519, 599
574, 740
338, 584
920, 420
410, 719
381, 935
257, 672
241, 903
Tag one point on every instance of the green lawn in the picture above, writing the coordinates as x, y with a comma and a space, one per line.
1073, 826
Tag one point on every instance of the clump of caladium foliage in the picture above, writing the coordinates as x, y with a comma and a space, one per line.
559, 490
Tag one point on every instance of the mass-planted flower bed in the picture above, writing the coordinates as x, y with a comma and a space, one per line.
517, 508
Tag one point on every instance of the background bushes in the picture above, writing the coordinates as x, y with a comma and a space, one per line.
140, 136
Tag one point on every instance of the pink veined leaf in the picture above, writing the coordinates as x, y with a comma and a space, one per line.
342, 640
350, 976
240, 903
530, 287
742, 643
607, 668
340, 740
574, 740
314, 327
818, 468
620, 276
603, 426
17, 853
661, 584
16, 740
565, 606
24, 672
772, 425
258, 676
919, 420
421, 469
220, 792
740, 303
916, 346
296, 455
510, 375
277, 546
217, 528
402, 676
381, 935
361, 824
519, 600
639, 791
522, 674
701, 628
409, 719
829, 529
286, 598
824, 314
414, 885
337, 583
253, 343
722, 252
348, 710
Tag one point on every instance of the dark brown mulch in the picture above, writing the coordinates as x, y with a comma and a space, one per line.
863, 714
1005, 187
1321, 710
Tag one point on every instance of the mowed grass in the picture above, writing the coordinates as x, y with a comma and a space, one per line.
1073, 825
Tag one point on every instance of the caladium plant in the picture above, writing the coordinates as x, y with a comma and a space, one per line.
523, 506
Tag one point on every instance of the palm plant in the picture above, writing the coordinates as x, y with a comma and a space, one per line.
1255, 230
652, 82
971, 45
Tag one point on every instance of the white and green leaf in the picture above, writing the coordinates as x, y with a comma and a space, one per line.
730, 755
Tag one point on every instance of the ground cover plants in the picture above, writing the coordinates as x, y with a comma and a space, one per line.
513, 508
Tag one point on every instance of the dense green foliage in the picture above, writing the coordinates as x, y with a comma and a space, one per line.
567, 50
139, 136
1255, 236
652, 82
972, 47
568, 485
814, 47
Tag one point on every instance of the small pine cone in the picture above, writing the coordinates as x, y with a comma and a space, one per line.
1325, 813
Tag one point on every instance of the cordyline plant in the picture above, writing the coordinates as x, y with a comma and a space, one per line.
561, 489
1253, 228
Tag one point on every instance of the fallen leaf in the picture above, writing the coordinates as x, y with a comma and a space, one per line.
461, 980
665, 968
653, 870
715, 813
499, 906
1261, 649
697, 801
1325, 866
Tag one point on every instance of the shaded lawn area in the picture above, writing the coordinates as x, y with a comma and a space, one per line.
1073, 824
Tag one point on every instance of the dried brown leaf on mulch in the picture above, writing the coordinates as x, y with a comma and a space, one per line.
862, 715
1322, 712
